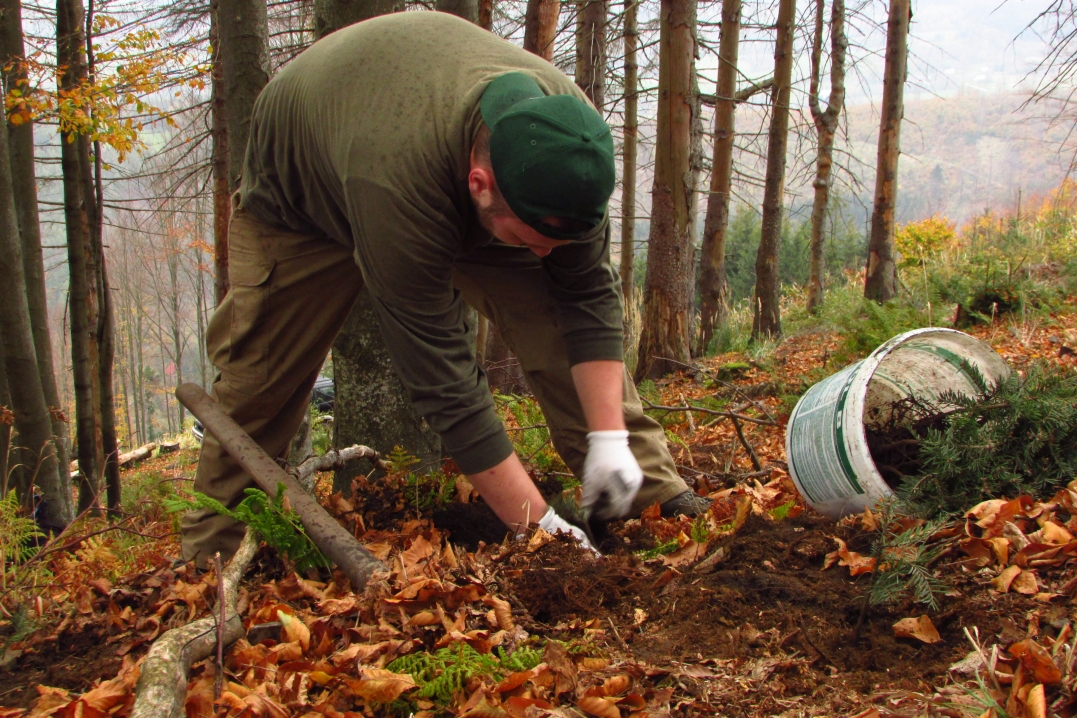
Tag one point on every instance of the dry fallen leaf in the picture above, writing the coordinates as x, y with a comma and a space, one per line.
295, 631
378, 684
1036, 661
1026, 583
922, 629
601, 707
1003, 580
844, 557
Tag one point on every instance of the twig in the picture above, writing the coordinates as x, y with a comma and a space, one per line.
617, 635
751, 451
218, 680
713, 412
726, 384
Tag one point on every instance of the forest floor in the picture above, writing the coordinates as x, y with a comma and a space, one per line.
750, 611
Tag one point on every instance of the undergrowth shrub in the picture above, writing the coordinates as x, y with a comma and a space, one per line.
446, 672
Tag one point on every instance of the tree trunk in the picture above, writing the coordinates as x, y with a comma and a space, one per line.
6, 421
880, 283
106, 325
222, 197
631, 139
244, 39
713, 288
467, 9
540, 27
331, 15
668, 286
826, 126
21, 140
74, 152
591, 51
485, 20
767, 316
20, 363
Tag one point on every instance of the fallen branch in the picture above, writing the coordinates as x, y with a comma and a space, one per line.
338, 545
140, 454
756, 464
333, 460
162, 686
713, 412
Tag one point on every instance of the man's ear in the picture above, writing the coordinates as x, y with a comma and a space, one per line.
480, 181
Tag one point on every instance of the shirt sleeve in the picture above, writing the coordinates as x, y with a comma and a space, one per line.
586, 289
406, 259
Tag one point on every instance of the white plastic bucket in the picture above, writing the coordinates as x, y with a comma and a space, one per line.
825, 441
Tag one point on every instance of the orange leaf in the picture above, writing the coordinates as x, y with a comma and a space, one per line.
601, 707
1036, 661
378, 684
922, 629
1003, 580
1026, 583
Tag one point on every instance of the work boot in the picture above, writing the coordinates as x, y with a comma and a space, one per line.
686, 504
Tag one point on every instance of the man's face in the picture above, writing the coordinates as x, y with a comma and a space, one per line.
512, 230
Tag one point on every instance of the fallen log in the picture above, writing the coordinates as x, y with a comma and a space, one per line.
161, 690
339, 546
140, 454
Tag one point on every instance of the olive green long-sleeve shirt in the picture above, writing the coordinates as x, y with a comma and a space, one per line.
365, 138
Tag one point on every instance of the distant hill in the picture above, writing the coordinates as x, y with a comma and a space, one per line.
965, 153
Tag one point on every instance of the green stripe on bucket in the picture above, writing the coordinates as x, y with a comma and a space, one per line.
839, 433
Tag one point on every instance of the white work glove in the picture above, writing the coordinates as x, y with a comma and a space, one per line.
552, 523
611, 475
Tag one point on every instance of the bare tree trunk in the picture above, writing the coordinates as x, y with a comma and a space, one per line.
244, 39
331, 15
81, 265
631, 142
6, 422
767, 316
21, 140
713, 288
485, 20
880, 283
591, 50
222, 196
20, 363
668, 287
826, 126
106, 324
540, 27
467, 9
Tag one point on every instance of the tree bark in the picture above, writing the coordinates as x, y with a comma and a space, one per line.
21, 141
222, 197
767, 316
6, 422
591, 50
880, 282
485, 19
668, 286
826, 126
106, 325
20, 364
244, 54
467, 9
631, 143
540, 27
74, 154
331, 15
713, 288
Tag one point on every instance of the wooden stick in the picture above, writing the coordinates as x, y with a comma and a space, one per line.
162, 686
751, 451
332, 460
357, 563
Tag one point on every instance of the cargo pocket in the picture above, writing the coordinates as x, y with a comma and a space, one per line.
251, 327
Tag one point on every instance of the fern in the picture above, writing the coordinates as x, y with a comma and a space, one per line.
17, 537
278, 527
443, 674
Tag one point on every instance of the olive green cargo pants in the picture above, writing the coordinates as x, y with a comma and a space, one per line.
290, 294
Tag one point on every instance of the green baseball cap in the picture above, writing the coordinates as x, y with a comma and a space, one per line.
552, 155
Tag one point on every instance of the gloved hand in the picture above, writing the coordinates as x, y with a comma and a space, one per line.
611, 475
552, 523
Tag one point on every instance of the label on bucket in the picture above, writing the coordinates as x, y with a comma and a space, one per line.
818, 455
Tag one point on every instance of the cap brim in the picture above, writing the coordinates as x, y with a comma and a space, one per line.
504, 92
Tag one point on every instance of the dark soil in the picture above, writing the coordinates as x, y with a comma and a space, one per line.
74, 661
894, 442
769, 597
